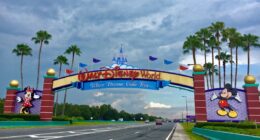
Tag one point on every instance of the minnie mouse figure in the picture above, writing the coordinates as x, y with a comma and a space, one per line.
28, 97
228, 93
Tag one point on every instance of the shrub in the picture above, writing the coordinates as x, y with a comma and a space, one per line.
21, 116
17, 119
245, 125
61, 118
77, 118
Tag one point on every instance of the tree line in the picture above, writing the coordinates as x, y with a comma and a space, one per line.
103, 112
213, 39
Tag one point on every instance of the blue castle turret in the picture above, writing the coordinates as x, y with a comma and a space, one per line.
121, 59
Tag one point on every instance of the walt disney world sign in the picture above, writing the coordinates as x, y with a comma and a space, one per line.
123, 78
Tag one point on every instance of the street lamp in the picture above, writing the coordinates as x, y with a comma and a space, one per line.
186, 108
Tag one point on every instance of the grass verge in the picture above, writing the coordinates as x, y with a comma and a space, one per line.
188, 129
254, 132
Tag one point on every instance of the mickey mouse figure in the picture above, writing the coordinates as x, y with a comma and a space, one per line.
28, 97
228, 93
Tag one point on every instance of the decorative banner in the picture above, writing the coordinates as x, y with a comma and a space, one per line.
95, 60
167, 62
124, 74
182, 67
155, 85
28, 102
236, 103
151, 58
69, 71
82, 65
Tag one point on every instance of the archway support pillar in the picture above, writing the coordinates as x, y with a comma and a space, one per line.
47, 101
199, 94
252, 97
10, 97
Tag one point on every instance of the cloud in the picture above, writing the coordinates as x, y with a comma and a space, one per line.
97, 94
157, 106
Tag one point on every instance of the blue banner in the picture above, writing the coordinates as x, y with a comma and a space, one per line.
155, 85
82, 65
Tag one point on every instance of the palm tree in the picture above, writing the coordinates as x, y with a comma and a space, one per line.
60, 60
192, 43
237, 40
225, 58
212, 43
22, 50
42, 37
229, 35
216, 28
74, 50
204, 36
249, 40
209, 67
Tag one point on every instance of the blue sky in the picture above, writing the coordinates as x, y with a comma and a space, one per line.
144, 27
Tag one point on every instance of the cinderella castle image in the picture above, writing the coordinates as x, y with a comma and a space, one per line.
121, 61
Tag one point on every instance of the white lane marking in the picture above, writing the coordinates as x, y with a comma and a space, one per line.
72, 132
137, 132
168, 137
110, 139
33, 136
54, 137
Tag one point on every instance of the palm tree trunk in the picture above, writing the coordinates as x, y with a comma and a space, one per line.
65, 93
64, 102
21, 70
194, 57
212, 69
39, 64
219, 71
236, 67
224, 70
57, 95
72, 60
231, 65
205, 58
248, 60
210, 81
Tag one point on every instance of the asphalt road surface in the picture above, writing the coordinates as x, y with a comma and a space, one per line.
108, 132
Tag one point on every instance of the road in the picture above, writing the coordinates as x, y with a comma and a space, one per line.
108, 132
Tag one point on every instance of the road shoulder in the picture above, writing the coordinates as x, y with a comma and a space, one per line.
179, 133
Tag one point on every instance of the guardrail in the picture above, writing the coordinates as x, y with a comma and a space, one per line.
8, 124
220, 135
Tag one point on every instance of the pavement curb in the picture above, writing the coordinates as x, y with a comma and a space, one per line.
169, 137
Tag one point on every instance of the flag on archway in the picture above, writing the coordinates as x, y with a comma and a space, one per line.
183, 67
69, 71
151, 58
95, 60
167, 62
82, 65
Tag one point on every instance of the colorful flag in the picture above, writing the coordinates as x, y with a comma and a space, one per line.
151, 58
167, 62
69, 71
82, 65
182, 67
95, 60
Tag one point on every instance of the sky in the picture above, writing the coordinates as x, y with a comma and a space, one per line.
99, 27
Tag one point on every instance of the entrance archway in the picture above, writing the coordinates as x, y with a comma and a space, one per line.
139, 78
